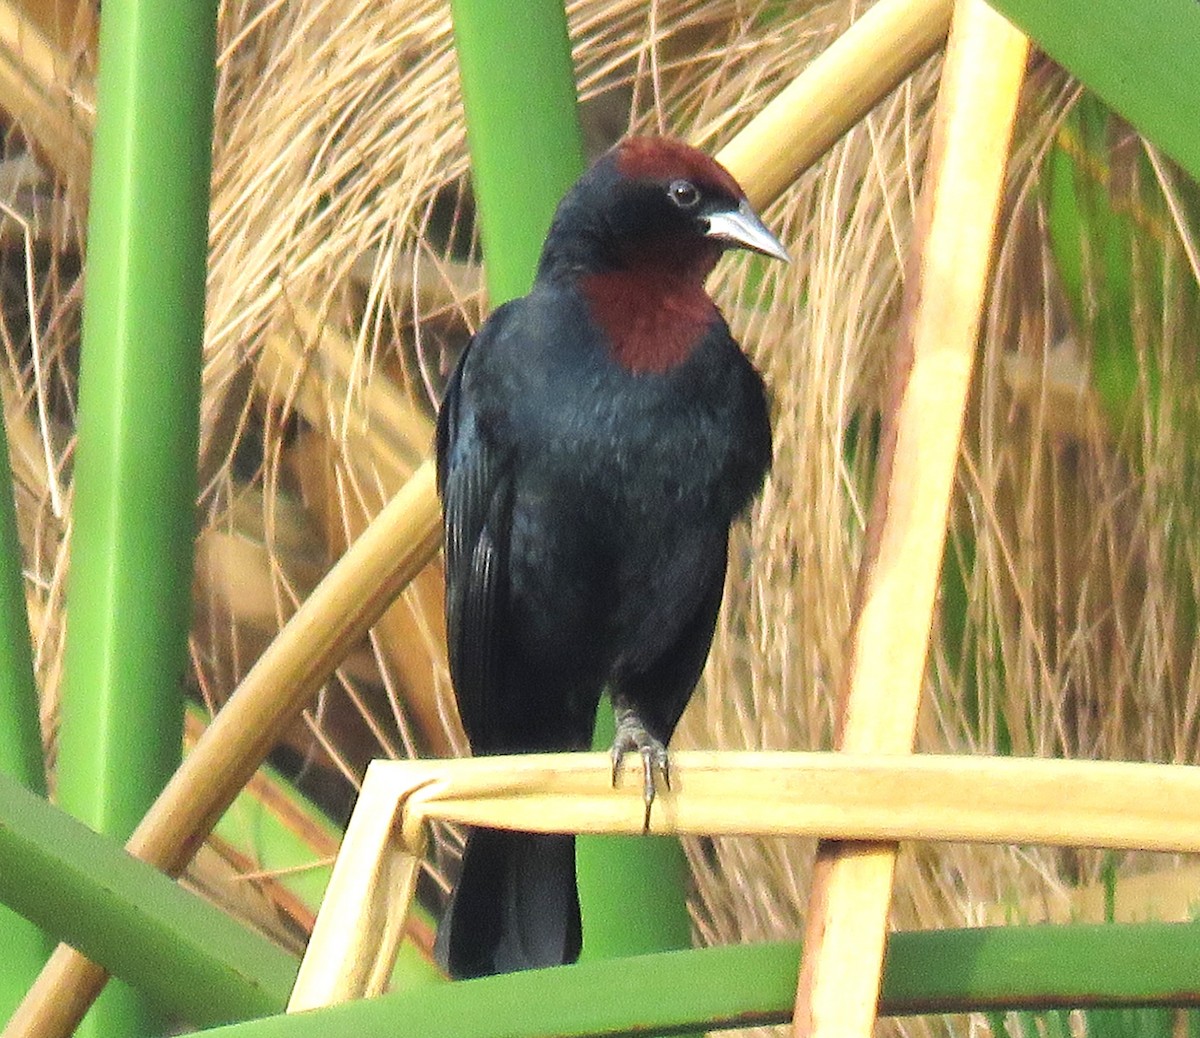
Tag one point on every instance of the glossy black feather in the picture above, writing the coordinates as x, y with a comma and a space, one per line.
514, 907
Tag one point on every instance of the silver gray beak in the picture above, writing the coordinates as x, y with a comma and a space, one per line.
742, 228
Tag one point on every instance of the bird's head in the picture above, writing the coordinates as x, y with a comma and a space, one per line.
656, 201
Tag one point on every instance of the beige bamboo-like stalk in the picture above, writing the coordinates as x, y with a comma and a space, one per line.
361, 920
837, 89
839, 795
950, 797
250, 722
944, 297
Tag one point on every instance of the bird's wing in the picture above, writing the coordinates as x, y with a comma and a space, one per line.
475, 482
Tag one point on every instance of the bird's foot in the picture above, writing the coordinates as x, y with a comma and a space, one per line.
633, 736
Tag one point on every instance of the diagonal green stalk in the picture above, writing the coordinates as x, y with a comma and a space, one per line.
129, 588
518, 88
187, 955
24, 946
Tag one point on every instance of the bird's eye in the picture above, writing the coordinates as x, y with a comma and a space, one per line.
684, 194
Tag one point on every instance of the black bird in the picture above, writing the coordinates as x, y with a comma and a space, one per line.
596, 440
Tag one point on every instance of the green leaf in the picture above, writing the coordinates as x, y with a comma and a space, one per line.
188, 956
1139, 57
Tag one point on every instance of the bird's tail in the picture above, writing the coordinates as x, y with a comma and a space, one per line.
515, 906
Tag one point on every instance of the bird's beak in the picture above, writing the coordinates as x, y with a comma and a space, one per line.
741, 227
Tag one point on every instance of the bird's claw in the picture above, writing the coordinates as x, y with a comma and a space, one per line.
632, 737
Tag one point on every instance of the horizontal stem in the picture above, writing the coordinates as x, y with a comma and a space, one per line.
949, 971
842, 795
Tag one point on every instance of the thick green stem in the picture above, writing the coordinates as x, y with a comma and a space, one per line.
518, 89
135, 476
24, 946
633, 889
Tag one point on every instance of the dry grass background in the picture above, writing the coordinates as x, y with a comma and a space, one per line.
344, 278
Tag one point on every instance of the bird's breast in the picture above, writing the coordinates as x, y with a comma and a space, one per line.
649, 324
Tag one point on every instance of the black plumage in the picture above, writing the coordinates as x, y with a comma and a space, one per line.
594, 444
